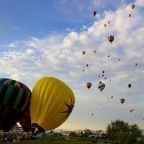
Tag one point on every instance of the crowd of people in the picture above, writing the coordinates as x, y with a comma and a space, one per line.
16, 136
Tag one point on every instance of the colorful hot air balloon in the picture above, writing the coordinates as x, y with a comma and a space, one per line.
52, 102
122, 100
101, 86
111, 38
88, 85
14, 101
94, 13
132, 6
25, 121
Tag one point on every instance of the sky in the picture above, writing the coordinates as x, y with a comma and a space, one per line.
47, 37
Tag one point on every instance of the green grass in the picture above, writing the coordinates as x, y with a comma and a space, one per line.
57, 140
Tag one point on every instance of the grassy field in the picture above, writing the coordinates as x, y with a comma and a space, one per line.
58, 140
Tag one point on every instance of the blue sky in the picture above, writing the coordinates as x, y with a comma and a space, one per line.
46, 38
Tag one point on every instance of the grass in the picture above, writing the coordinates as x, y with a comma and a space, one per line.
58, 140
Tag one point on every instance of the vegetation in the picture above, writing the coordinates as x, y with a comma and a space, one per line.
120, 132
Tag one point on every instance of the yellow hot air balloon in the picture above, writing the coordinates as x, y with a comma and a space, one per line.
88, 85
52, 102
104, 25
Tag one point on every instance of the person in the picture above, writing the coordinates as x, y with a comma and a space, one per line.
52, 138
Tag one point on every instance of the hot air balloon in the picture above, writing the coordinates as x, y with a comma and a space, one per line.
104, 25
87, 65
14, 101
135, 64
25, 121
94, 51
52, 102
94, 13
111, 38
122, 101
101, 86
129, 85
88, 85
129, 15
83, 52
103, 71
132, 6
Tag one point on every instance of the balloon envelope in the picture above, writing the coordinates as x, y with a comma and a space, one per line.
25, 121
52, 102
14, 101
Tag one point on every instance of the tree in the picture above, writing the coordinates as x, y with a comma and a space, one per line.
115, 128
121, 132
135, 131
87, 132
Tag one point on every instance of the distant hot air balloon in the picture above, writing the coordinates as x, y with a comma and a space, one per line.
14, 102
129, 85
132, 6
94, 51
87, 65
52, 102
129, 15
88, 85
103, 71
94, 13
101, 86
135, 64
110, 97
104, 25
83, 52
111, 38
122, 101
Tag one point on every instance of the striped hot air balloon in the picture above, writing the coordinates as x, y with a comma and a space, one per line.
14, 101
101, 86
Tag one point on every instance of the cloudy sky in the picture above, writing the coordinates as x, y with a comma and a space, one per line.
47, 37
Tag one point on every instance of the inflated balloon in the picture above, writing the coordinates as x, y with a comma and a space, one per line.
111, 38
14, 101
122, 101
52, 102
94, 13
88, 85
104, 25
83, 52
25, 121
94, 51
135, 64
129, 85
101, 86
129, 15
132, 6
